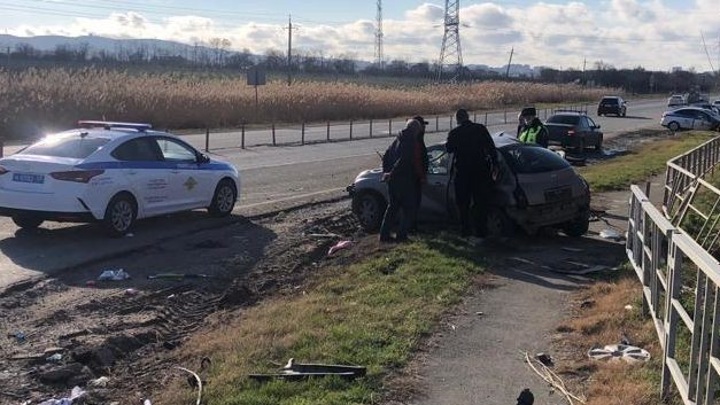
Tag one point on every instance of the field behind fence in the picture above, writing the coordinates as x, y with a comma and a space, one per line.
36, 100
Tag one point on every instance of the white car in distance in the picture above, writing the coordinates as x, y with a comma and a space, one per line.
113, 173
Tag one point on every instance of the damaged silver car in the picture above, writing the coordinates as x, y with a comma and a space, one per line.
535, 188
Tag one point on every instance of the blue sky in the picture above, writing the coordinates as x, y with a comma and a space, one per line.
656, 34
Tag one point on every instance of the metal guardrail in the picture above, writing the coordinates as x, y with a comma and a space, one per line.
665, 259
671, 252
690, 200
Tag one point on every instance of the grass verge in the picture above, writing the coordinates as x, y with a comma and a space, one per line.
646, 160
373, 313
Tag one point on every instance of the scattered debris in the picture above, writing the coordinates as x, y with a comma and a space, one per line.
624, 339
75, 394
611, 234
587, 304
545, 359
131, 291
553, 379
90, 283
199, 383
339, 246
55, 358
479, 313
101, 382
526, 397
113, 275
629, 307
628, 353
19, 336
302, 371
323, 235
176, 276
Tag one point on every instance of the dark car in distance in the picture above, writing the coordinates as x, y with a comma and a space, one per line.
574, 130
612, 105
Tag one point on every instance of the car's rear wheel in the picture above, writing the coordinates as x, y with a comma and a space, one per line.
624, 113
224, 199
581, 145
369, 208
120, 215
499, 224
674, 126
578, 226
27, 221
598, 145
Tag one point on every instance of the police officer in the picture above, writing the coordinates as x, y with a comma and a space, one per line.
475, 162
536, 133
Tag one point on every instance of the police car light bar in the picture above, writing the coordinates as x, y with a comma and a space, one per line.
112, 124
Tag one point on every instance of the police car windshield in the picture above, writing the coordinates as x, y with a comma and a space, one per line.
564, 119
75, 146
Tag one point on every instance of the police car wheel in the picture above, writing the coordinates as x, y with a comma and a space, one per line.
224, 199
578, 226
27, 221
120, 214
498, 224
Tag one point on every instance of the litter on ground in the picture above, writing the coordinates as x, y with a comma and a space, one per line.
339, 246
611, 234
113, 275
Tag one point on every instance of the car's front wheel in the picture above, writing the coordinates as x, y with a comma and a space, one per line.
369, 208
224, 199
120, 215
578, 226
27, 221
674, 126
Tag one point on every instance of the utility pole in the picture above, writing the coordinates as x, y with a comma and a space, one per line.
451, 39
379, 57
584, 64
289, 53
507, 72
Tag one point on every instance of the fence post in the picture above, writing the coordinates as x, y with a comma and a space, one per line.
207, 139
328, 131
505, 114
451, 121
2, 148
242, 136
437, 123
485, 118
302, 135
273, 134
370, 127
390, 127
351, 129
474, 116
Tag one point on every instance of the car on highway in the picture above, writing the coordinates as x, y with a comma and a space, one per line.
574, 130
612, 105
690, 118
113, 173
676, 100
535, 188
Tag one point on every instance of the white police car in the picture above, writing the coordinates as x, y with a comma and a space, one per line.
114, 173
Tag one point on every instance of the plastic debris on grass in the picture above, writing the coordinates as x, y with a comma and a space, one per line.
339, 246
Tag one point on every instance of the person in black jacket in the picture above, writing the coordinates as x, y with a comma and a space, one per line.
425, 165
403, 172
475, 163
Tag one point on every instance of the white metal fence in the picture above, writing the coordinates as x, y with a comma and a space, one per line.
680, 278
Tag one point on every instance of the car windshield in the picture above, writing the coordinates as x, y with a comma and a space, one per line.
532, 159
609, 101
74, 146
564, 119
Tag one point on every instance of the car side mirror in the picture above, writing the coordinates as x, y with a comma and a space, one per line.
203, 158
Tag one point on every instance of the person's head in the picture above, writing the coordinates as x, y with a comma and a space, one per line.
462, 116
423, 123
412, 127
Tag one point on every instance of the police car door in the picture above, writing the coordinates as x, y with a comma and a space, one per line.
144, 174
189, 184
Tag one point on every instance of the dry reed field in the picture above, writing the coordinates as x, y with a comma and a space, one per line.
48, 99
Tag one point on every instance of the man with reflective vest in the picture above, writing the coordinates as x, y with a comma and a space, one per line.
536, 132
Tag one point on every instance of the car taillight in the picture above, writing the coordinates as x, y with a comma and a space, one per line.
78, 176
571, 132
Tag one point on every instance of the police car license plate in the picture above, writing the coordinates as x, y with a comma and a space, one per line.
558, 194
28, 178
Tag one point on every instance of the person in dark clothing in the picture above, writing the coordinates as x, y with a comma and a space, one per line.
536, 133
425, 164
402, 171
475, 164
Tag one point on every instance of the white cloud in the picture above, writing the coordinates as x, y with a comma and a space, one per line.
624, 33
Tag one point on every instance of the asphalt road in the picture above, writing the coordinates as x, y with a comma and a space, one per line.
273, 178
